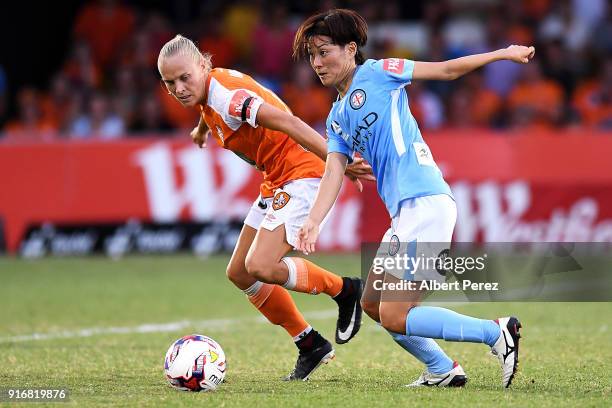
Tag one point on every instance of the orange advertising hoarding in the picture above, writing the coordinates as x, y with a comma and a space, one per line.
511, 187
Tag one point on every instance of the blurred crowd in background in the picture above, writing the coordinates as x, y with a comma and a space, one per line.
108, 85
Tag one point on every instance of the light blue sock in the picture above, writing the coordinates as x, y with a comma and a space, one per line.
440, 323
427, 351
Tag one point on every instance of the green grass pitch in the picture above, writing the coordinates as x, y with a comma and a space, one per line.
104, 326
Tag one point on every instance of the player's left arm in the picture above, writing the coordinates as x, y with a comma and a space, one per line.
326, 197
453, 69
271, 117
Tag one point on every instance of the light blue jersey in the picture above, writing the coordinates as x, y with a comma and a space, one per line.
374, 119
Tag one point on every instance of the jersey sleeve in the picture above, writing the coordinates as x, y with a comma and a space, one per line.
235, 106
335, 141
243, 106
397, 71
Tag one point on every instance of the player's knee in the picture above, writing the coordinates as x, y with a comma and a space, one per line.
257, 268
393, 317
236, 275
391, 322
371, 309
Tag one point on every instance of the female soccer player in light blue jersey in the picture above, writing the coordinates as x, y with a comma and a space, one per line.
371, 117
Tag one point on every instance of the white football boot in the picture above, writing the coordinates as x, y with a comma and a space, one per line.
454, 378
507, 348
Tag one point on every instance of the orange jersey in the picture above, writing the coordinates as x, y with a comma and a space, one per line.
232, 102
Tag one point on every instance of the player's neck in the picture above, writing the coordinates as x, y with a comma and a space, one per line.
345, 83
204, 97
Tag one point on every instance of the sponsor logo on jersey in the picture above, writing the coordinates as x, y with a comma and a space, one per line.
338, 130
220, 133
423, 154
280, 200
395, 65
336, 127
363, 133
357, 98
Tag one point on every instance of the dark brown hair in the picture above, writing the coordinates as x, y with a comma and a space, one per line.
341, 25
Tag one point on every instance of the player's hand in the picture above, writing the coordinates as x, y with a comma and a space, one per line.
199, 137
519, 53
307, 237
359, 170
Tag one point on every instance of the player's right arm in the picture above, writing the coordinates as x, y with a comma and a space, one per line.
326, 197
200, 133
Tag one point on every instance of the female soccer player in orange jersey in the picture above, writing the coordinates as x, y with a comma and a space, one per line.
255, 124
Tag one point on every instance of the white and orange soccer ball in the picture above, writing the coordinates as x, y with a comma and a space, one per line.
195, 363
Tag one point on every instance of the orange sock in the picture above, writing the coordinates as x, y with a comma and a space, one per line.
277, 305
306, 277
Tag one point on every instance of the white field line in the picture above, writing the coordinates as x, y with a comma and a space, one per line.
209, 324
217, 324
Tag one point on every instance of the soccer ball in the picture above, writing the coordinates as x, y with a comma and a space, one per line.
195, 363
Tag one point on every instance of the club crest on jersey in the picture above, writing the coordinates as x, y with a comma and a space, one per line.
394, 245
357, 98
395, 65
280, 200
